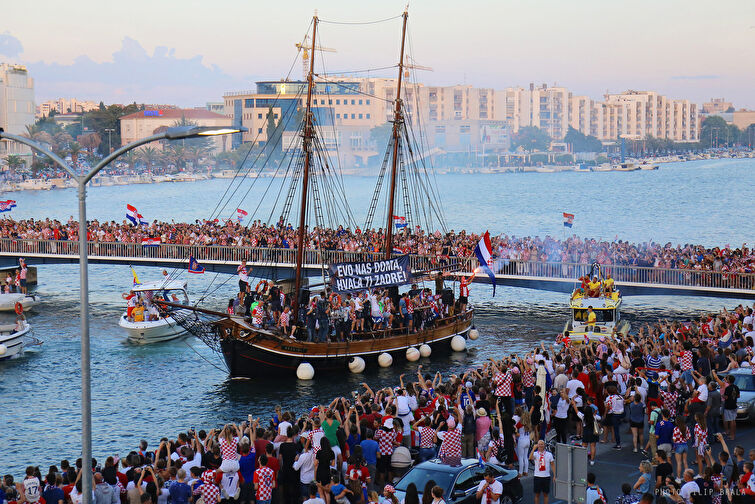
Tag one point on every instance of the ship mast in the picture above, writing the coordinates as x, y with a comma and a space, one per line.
397, 121
307, 146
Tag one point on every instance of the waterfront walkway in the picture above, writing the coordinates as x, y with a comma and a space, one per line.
279, 264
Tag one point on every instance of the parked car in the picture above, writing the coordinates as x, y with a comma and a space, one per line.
459, 483
745, 380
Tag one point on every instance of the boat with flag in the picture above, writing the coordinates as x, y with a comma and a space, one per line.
143, 322
595, 310
358, 314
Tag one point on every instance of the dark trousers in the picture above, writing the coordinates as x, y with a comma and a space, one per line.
560, 425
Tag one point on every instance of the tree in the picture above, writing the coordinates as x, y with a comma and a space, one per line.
74, 149
149, 156
15, 163
274, 132
379, 135
716, 132
581, 142
90, 141
531, 138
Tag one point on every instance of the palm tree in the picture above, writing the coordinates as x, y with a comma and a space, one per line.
14, 163
149, 155
130, 158
74, 149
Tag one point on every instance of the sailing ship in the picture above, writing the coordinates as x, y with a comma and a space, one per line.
250, 350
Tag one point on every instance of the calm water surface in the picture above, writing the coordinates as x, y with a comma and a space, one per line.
148, 392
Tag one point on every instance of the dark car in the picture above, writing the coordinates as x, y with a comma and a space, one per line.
745, 380
459, 483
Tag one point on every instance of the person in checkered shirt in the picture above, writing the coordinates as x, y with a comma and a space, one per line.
387, 439
427, 438
504, 384
264, 482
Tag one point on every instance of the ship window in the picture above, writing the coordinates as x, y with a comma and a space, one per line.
604, 315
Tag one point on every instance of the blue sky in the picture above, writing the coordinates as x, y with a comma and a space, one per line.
189, 52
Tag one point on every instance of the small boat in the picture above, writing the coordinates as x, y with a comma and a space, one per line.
648, 166
12, 339
625, 167
164, 328
8, 301
607, 308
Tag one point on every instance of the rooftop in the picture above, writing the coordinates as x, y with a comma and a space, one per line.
174, 114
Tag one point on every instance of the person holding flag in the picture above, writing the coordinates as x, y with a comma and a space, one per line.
241, 214
484, 253
132, 215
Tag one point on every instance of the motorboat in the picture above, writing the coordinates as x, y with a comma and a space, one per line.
625, 167
648, 166
607, 308
13, 339
8, 301
161, 328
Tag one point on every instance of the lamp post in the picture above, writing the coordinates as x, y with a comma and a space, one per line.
176, 133
109, 144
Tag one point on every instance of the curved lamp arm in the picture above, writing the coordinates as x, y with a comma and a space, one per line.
39, 148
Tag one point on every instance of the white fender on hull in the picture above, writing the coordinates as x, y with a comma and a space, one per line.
425, 350
305, 371
474, 334
412, 354
356, 365
385, 359
458, 343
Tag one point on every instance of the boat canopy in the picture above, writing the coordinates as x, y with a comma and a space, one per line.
598, 303
160, 285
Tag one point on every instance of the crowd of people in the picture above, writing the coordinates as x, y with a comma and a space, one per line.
674, 385
572, 250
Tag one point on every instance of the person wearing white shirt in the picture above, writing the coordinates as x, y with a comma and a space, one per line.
305, 464
544, 467
573, 384
489, 490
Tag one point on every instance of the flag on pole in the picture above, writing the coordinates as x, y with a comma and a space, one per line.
132, 214
136, 278
150, 242
484, 253
241, 214
142, 220
399, 221
7, 206
568, 220
194, 266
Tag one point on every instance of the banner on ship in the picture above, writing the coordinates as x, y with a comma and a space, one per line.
347, 277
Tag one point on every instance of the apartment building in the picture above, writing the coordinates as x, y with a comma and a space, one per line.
65, 106
147, 122
16, 105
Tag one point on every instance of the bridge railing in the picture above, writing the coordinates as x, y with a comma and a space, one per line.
565, 271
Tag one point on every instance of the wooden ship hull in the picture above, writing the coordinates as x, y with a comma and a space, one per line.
250, 352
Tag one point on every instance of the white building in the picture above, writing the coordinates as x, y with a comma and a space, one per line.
16, 105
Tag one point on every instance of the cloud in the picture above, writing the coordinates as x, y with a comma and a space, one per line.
695, 77
10, 46
135, 75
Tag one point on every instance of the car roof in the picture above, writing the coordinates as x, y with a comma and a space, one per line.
739, 371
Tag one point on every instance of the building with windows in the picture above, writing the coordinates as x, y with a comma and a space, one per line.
717, 106
16, 106
148, 122
65, 106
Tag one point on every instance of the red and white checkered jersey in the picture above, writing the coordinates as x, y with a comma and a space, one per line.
451, 445
426, 437
210, 491
314, 437
701, 435
386, 441
228, 450
503, 384
678, 437
265, 478
686, 360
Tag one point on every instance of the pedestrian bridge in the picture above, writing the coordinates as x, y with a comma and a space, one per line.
279, 264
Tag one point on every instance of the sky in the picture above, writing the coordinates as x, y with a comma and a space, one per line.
187, 52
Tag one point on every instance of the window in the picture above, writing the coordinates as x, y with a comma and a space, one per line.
368, 116
368, 102
338, 102
259, 116
440, 129
464, 129
330, 102
360, 116
352, 115
338, 116
360, 102
259, 130
469, 479
353, 102
275, 116
249, 103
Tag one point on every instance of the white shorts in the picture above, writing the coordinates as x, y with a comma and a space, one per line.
229, 466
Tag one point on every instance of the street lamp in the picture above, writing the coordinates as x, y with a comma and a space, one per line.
176, 133
109, 144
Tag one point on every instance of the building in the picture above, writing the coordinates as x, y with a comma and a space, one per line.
717, 106
65, 106
146, 122
16, 105
637, 114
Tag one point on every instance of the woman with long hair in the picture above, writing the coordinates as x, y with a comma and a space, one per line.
680, 438
323, 461
427, 492
701, 441
590, 419
523, 429
229, 438
412, 496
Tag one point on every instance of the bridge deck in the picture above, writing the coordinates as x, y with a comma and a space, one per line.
279, 263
